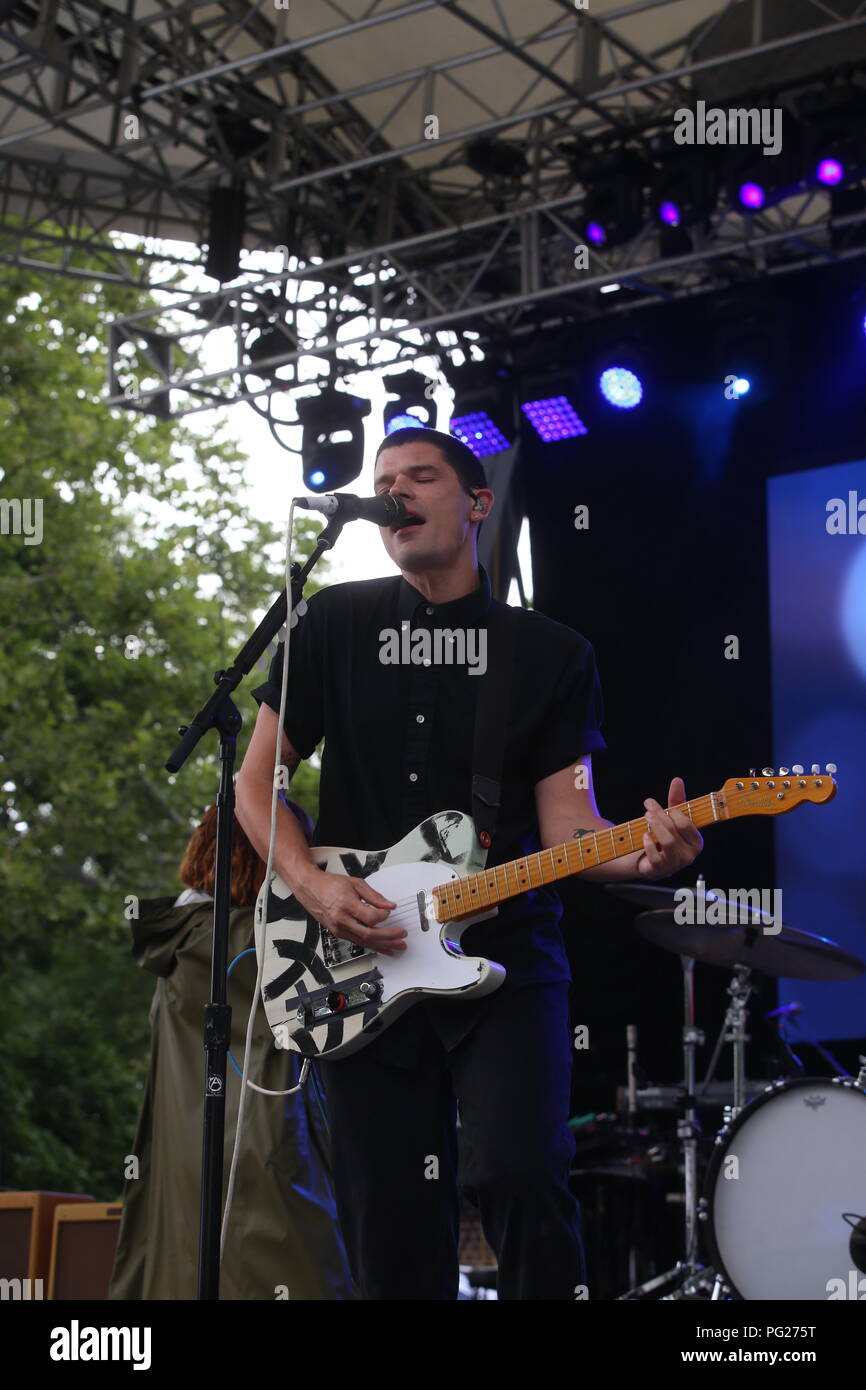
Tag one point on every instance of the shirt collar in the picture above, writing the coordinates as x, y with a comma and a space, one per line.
470, 608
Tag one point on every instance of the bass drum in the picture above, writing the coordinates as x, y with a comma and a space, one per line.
782, 1177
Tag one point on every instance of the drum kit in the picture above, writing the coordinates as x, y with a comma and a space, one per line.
782, 1202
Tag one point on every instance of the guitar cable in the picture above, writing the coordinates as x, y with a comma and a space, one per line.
261, 906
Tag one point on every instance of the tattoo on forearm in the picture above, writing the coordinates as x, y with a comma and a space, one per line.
576, 834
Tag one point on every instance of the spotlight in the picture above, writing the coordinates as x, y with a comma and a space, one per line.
502, 161
333, 440
554, 418
479, 432
685, 183
620, 387
614, 178
408, 402
752, 195
755, 180
741, 387
405, 422
829, 172
483, 415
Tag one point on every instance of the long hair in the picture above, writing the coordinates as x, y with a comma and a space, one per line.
198, 866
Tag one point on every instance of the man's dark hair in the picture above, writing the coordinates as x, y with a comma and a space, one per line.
468, 468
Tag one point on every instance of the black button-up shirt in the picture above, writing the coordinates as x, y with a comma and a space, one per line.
399, 737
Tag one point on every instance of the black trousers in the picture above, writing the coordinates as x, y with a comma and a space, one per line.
395, 1151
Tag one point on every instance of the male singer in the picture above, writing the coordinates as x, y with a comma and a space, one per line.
398, 748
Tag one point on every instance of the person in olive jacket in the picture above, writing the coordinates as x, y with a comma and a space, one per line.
283, 1240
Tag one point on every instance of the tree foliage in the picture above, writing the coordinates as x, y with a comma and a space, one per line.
145, 581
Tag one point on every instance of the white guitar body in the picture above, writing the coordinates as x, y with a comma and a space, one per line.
325, 997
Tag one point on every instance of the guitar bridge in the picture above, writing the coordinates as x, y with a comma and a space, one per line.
336, 951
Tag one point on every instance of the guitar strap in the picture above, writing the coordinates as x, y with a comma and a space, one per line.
491, 713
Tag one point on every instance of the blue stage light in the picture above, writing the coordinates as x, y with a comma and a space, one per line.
742, 386
405, 422
621, 387
554, 418
317, 479
479, 433
595, 233
669, 213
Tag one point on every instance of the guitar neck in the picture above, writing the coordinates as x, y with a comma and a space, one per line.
463, 897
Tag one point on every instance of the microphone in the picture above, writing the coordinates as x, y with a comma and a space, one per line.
383, 510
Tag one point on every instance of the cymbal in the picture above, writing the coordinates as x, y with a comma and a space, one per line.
798, 955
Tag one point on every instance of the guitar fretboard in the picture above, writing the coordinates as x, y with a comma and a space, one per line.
465, 896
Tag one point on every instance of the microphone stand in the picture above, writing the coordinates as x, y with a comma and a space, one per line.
221, 713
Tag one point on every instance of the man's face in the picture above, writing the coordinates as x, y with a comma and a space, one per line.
429, 488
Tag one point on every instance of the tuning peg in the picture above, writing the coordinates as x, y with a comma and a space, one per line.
767, 772
816, 769
797, 769
831, 768
783, 772
753, 772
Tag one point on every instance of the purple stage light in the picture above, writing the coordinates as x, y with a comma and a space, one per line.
554, 418
595, 233
479, 433
830, 172
752, 195
669, 214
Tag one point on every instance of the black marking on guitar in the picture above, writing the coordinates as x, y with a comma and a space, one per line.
279, 909
304, 954
352, 864
434, 831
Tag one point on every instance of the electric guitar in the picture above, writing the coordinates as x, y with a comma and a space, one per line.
326, 997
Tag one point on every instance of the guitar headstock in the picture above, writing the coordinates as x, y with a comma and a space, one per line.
771, 793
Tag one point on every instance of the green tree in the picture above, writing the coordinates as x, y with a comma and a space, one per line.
145, 580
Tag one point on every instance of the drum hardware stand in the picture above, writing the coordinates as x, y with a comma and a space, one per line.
692, 1276
739, 991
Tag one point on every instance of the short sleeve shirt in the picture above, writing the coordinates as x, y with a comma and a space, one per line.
398, 733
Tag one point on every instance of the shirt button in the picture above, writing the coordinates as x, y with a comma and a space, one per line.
430, 611
413, 776
419, 719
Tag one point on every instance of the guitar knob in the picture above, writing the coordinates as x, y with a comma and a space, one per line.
767, 772
816, 768
797, 769
831, 768
752, 771
783, 772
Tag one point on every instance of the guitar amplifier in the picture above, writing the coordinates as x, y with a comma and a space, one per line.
83, 1249
26, 1228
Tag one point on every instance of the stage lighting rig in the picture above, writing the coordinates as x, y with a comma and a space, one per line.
408, 403
615, 180
483, 415
332, 445
501, 161
753, 180
835, 121
547, 400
